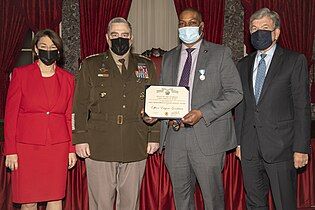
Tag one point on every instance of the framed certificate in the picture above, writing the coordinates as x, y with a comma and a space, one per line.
166, 102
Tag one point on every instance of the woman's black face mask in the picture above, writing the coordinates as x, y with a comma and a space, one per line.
48, 57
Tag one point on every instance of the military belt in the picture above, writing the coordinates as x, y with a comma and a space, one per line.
119, 119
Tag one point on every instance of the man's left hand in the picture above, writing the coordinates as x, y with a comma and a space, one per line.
300, 160
152, 147
192, 117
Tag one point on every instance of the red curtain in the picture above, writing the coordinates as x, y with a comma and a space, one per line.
157, 194
94, 18
156, 191
297, 23
13, 29
77, 189
41, 14
212, 13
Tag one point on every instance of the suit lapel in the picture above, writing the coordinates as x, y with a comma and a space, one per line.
42, 90
61, 80
272, 71
202, 59
175, 65
250, 75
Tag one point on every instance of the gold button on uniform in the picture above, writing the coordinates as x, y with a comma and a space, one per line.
103, 94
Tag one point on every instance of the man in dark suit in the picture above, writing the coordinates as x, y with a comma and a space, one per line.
197, 149
273, 120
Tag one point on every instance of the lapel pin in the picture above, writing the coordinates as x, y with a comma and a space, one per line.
205, 51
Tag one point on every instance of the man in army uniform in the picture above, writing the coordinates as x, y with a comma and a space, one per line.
108, 128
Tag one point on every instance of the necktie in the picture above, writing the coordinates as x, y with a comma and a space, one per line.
184, 80
260, 77
123, 67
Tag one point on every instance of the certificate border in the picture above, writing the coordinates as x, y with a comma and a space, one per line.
165, 118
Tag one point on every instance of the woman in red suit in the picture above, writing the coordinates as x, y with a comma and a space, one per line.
38, 132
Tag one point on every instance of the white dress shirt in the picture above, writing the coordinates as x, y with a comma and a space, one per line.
268, 59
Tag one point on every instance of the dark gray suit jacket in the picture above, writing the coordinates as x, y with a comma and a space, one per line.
280, 122
214, 97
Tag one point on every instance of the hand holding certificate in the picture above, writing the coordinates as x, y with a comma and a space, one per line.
166, 102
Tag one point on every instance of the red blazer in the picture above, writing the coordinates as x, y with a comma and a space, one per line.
27, 114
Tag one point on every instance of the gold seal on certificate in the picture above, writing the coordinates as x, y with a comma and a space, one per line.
166, 102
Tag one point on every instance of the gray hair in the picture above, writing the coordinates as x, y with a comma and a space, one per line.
118, 20
265, 12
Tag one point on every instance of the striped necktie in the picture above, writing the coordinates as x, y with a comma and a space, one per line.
184, 80
260, 77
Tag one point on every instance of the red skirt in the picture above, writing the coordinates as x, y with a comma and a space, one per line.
41, 174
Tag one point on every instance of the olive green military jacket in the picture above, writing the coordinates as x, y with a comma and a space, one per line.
107, 107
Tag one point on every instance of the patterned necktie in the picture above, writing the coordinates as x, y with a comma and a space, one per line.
184, 80
260, 77
123, 67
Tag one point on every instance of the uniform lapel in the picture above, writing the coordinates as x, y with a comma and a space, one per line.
113, 69
132, 67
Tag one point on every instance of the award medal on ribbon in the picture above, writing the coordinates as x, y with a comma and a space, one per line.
142, 71
202, 74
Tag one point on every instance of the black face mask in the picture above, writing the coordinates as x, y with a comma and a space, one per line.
120, 46
48, 57
261, 39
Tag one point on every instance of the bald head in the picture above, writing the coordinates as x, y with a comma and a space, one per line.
192, 12
190, 17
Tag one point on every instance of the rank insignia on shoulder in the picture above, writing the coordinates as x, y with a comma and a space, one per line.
93, 55
104, 72
142, 71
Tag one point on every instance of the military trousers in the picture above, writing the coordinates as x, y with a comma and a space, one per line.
113, 181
